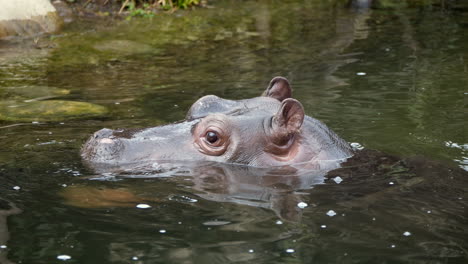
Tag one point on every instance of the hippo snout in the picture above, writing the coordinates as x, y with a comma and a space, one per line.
103, 146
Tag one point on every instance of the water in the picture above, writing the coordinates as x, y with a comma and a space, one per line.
392, 78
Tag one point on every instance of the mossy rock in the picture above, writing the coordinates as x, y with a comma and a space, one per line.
124, 47
33, 92
51, 110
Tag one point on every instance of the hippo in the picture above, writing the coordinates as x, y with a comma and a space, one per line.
267, 131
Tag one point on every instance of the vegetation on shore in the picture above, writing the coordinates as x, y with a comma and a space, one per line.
143, 8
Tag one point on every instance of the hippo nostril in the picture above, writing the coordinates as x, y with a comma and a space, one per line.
103, 133
103, 146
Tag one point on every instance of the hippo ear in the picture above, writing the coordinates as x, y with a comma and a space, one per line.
289, 118
278, 88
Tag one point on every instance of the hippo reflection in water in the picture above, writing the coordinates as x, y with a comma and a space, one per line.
267, 131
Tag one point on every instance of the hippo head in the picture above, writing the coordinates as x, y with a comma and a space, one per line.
265, 131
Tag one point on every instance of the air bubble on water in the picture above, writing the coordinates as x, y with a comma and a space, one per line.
331, 213
162, 231
3, 246
429, 211
392, 246
279, 222
323, 226
391, 183
117, 103
143, 206
50, 133
17, 188
63, 257
290, 250
361, 73
251, 251
35, 122
62, 123
64, 185
406, 233
356, 146
176, 106
373, 218
134, 258
302, 205
182, 198
338, 179
179, 223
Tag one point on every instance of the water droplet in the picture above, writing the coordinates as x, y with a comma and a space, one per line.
62, 123
117, 103
373, 218
134, 258
143, 206
279, 222
356, 146
251, 251
391, 183
302, 205
323, 226
338, 179
64, 185
290, 250
162, 231
63, 257
35, 122
216, 223
406, 233
50, 133
331, 213
392, 246
429, 211
361, 73
17, 188
3, 246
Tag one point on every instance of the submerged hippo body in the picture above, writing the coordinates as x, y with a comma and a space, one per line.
270, 130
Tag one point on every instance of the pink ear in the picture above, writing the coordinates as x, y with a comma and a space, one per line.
279, 89
286, 124
290, 116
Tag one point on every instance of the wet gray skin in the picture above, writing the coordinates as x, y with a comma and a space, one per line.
270, 130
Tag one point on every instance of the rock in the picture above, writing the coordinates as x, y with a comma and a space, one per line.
51, 110
63, 10
27, 17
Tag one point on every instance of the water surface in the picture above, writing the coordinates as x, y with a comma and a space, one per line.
392, 78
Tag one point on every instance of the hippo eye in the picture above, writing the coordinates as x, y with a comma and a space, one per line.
211, 137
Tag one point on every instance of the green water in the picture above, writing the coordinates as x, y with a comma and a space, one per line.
392, 78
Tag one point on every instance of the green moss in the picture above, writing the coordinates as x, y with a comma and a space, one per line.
31, 92
52, 110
